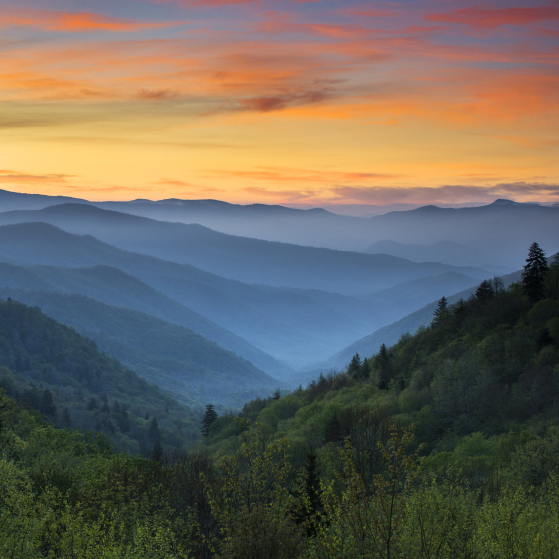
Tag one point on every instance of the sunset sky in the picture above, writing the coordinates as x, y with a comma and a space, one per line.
281, 101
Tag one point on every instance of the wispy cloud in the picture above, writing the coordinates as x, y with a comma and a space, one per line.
74, 22
15, 177
286, 175
480, 17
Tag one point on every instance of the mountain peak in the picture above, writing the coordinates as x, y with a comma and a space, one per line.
505, 202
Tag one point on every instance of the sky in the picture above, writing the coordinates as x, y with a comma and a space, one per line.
296, 102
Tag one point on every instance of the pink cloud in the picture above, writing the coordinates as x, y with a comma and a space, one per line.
479, 17
73, 22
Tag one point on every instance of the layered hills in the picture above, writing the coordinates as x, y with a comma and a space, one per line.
502, 230
244, 259
173, 357
292, 325
51, 368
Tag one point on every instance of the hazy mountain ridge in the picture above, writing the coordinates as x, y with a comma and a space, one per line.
175, 358
288, 324
443, 251
240, 258
503, 229
391, 333
112, 286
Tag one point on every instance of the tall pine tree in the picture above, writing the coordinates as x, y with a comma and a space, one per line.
210, 415
534, 273
440, 312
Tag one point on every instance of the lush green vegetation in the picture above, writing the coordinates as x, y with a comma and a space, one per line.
47, 366
173, 357
445, 445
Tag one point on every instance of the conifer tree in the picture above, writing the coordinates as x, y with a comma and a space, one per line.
277, 394
382, 363
354, 365
210, 415
441, 311
365, 369
534, 273
484, 291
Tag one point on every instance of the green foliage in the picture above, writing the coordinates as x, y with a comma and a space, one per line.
50, 368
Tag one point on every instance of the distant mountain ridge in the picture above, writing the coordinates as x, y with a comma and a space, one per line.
291, 325
240, 258
504, 229
391, 333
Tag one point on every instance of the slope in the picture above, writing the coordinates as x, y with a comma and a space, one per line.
286, 324
54, 369
391, 333
114, 287
446, 252
175, 358
248, 260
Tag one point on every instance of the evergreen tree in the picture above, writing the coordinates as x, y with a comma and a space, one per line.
382, 364
277, 394
47, 404
308, 494
484, 291
210, 415
365, 369
154, 433
441, 311
534, 273
354, 365
459, 308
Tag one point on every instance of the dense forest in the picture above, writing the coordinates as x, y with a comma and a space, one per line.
444, 445
48, 367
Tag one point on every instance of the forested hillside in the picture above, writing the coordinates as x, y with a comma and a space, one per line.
445, 445
175, 358
48, 367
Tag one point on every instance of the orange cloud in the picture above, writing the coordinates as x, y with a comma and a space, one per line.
483, 18
279, 174
14, 177
79, 22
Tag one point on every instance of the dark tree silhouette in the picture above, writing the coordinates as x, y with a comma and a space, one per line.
534, 273
484, 291
354, 365
210, 415
440, 312
382, 362
498, 285
277, 394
